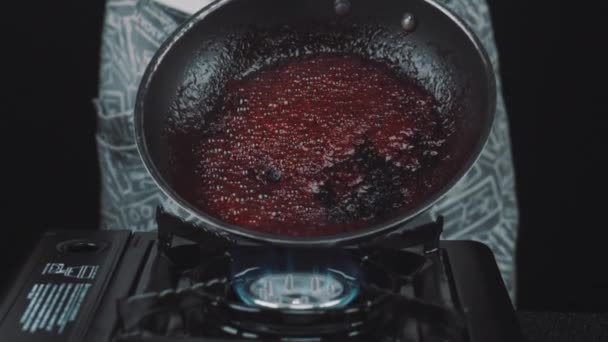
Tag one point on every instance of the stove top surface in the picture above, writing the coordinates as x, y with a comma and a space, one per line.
186, 285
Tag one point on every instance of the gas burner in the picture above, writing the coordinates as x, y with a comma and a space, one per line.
207, 309
298, 279
296, 290
267, 292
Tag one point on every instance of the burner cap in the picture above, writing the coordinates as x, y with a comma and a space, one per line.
300, 291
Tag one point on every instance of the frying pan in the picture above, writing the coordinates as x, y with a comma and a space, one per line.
231, 38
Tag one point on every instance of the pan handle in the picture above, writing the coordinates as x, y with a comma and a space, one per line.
189, 7
186, 7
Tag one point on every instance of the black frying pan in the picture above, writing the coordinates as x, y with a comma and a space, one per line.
229, 38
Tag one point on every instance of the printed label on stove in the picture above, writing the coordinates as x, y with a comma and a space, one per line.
52, 306
78, 272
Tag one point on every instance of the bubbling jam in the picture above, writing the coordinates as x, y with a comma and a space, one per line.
313, 146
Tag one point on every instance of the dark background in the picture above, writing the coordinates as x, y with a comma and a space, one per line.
552, 67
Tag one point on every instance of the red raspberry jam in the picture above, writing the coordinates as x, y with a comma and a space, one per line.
313, 146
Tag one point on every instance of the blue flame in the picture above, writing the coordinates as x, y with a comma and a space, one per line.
264, 269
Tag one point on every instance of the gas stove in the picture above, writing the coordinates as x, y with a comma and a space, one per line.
184, 283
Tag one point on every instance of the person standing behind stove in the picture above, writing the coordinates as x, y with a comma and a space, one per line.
481, 207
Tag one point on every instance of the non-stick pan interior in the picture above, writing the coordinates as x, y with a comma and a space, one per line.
232, 38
